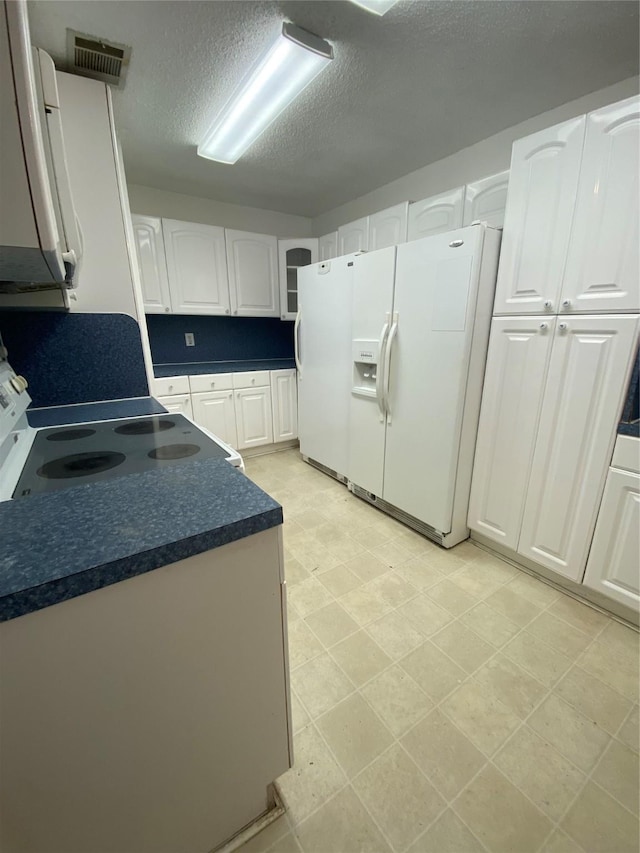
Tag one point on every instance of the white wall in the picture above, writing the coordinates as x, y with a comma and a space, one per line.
484, 158
155, 202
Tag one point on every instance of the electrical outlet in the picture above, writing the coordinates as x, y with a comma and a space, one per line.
189, 339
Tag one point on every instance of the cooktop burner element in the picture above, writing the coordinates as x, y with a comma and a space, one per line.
80, 464
173, 451
70, 434
103, 449
145, 427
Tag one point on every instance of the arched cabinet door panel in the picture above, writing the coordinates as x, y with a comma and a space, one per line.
543, 181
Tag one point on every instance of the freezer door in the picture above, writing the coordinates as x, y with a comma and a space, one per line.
323, 355
428, 355
372, 307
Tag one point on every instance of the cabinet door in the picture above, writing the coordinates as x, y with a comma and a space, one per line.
284, 398
613, 567
215, 411
253, 274
436, 214
517, 362
197, 267
253, 417
328, 246
179, 403
588, 374
543, 182
353, 237
293, 254
485, 200
388, 227
602, 267
152, 264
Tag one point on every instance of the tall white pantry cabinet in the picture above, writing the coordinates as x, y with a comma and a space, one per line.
563, 340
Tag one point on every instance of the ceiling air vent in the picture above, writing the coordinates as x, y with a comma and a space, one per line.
103, 60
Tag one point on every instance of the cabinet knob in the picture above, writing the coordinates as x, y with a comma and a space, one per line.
235, 312
226, 310
566, 303
548, 305
544, 327
563, 326
170, 387
166, 310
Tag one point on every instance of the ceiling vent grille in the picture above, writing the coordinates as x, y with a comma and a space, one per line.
93, 57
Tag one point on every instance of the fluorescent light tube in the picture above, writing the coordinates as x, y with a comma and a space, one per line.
378, 7
274, 81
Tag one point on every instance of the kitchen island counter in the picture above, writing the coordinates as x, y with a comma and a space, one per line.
67, 543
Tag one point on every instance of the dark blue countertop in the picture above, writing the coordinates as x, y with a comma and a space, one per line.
85, 412
198, 367
70, 542
630, 423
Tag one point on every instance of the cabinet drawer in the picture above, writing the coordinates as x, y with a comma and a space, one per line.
211, 382
171, 385
251, 379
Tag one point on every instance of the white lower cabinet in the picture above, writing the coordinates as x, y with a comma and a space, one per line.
519, 350
613, 568
216, 412
551, 403
253, 416
284, 401
583, 397
178, 403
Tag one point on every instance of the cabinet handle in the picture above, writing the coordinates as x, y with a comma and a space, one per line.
166, 310
235, 312
563, 326
566, 303
226, 310
544, 327
548, 305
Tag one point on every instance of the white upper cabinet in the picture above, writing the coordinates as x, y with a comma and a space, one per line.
197, 267
328, 246
517, 361
486, 199
588, 374
602, 267
216, 412
253, 274
152, 264
293, 254
543, 182
284, 399
353, 237
388, 227
436, 215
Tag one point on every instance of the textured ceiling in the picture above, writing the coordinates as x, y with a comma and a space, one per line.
424, 81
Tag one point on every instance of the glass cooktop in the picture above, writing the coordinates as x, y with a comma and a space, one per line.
62, 457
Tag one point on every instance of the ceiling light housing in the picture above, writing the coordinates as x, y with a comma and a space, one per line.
275, 80
377, 7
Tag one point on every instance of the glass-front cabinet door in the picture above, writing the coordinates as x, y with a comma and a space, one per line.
293, 254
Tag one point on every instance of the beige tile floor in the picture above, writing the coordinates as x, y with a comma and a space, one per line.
443, 700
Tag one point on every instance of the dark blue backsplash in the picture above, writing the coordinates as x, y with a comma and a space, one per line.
218, 338
75, 358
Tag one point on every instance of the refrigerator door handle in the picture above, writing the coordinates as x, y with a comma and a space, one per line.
296, 344
387, 364
380, 368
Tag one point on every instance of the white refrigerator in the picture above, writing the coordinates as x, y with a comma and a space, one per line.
420, 319
323, 359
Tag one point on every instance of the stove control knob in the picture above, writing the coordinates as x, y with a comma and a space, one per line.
19, 383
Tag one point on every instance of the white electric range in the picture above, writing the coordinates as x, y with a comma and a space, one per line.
40, 460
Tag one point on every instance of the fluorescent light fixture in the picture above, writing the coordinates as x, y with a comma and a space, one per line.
274, 81
378, 7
